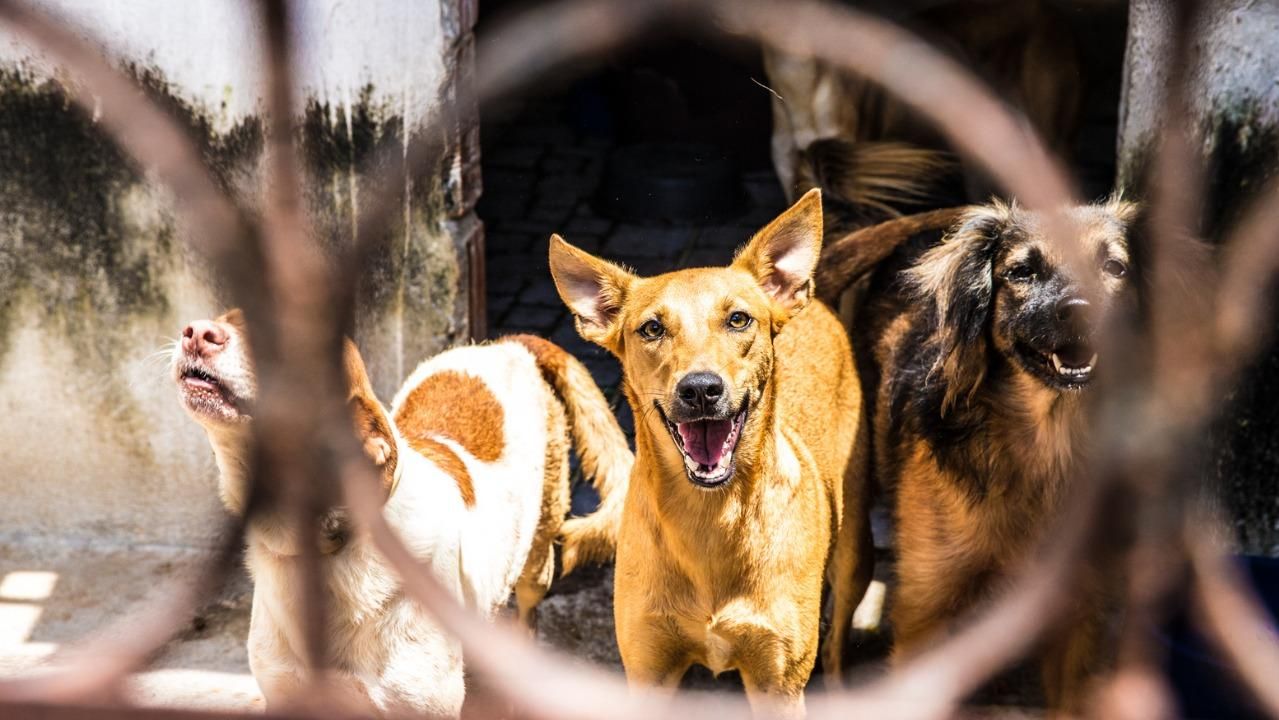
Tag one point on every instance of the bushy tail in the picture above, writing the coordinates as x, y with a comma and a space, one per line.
848, 256
605, 457
864, 182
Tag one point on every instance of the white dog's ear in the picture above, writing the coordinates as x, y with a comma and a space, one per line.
593, 289
783, 256
373, 425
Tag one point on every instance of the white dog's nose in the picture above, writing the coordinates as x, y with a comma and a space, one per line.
203, 337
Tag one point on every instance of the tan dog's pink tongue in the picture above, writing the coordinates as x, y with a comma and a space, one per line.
704, 440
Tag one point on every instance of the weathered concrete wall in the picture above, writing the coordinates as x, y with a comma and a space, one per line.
1234, 97
95, 278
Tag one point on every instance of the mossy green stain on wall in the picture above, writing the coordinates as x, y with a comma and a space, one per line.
89, 246
65, 240
1242, 149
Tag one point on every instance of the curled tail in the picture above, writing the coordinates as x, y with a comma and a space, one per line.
850, 255
605, 457
865, 182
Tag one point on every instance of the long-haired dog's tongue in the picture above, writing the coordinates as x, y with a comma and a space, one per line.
704, 439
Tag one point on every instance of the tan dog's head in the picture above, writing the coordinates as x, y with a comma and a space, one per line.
696, 346
213, 368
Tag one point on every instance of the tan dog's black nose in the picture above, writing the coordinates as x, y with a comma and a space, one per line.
700, 391
203, 337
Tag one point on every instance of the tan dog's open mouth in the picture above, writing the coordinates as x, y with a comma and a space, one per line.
708, 445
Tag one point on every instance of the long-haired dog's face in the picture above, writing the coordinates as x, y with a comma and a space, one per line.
697, 345
998, 284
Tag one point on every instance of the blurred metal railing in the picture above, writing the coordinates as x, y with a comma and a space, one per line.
298, 306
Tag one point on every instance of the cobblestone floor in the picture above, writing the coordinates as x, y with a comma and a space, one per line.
540, 178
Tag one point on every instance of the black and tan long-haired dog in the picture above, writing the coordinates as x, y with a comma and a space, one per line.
983, 348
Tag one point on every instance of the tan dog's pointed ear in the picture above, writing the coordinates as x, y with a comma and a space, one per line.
783, 256
593, 289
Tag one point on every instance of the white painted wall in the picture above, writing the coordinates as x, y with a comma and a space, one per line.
93, 446
210, 49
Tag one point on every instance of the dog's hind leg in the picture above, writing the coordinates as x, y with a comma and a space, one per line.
852, 561
539, 568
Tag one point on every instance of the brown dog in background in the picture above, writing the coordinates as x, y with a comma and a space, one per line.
981, 351
878, 147
748, 488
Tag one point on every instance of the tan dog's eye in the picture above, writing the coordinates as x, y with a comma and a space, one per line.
1115, 269
652, 330
739, 320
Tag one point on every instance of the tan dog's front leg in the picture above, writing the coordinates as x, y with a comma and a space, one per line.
771, 690
774, 655
654, 654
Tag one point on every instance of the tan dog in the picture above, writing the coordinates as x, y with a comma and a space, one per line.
748, 487
475, 466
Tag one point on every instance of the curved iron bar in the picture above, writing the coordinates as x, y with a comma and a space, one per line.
764, 19
293, 358
1227, 607
1157, 362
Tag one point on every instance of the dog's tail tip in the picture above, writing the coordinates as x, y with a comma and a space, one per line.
878, 177
590, 539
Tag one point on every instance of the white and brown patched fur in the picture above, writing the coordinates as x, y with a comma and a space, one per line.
474, 459
982, 358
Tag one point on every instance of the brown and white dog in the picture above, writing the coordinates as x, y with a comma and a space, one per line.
474, 456
748, 489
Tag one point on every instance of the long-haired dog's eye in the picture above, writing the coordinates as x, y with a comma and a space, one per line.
1020, 273
652, 330
739, 320
1115, 269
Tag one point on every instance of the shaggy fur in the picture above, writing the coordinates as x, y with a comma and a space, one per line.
474, 457
725, 568
976, 429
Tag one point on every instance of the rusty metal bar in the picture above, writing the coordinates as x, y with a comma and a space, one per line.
298, 308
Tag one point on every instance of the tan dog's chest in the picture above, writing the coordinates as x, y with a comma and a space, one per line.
728, 583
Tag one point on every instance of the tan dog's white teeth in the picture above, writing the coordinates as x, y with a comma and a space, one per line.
1092, 360
1056, 362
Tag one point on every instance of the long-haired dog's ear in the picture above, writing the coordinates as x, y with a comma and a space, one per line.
956, 281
